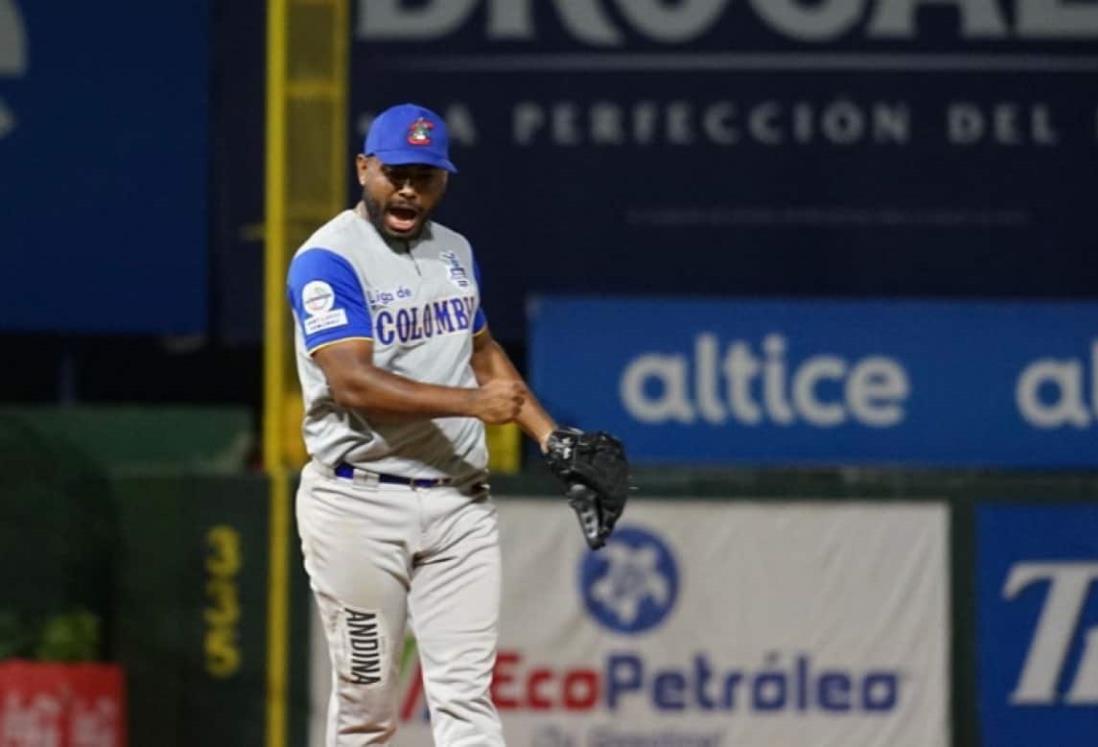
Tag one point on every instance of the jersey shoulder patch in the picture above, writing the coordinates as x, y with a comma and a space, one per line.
327, 298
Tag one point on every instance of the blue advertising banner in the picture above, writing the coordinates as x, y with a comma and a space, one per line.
823, 382
103, 165
1037, 623
778, 147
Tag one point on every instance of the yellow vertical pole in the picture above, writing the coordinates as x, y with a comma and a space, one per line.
307, 64
274, 383
341, 57
275, 232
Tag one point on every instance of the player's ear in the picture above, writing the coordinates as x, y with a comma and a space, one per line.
362, 164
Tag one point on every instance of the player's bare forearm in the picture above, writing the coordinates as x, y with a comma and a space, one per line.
386, 397
383, 396
491, 363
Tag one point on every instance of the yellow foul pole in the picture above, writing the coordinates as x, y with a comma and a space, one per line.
307, 162
274, 384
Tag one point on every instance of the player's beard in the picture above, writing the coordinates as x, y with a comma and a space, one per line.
376, 215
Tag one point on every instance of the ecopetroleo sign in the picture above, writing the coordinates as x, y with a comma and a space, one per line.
820, 381
708, 624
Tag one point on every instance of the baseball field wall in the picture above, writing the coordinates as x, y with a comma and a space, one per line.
795, 607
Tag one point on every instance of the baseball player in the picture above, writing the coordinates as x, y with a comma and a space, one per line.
400, 373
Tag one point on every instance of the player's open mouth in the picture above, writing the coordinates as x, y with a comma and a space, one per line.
401, 219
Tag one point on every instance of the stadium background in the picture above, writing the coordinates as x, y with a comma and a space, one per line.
900, 189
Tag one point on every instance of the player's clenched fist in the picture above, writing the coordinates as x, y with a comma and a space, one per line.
498, 401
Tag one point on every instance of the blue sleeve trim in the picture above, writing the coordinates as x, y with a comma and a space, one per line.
327, 298
480, 321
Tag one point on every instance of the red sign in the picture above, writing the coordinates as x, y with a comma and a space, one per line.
61, 705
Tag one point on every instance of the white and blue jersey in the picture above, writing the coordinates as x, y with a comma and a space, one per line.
419, 302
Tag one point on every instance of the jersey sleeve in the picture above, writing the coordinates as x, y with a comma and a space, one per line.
480, 321
327, 299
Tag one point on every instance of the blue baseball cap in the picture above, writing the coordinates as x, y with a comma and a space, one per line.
408, 133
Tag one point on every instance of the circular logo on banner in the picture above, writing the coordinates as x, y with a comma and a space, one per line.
630, 586
317, 297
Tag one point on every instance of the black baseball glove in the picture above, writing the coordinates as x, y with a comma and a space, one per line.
595, 472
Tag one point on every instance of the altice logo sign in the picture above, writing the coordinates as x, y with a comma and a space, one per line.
751, 385
13, 56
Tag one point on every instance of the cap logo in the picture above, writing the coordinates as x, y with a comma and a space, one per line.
419, 132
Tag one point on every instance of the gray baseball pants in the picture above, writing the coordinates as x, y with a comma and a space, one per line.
378, 554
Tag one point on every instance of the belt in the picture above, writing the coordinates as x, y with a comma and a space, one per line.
347, 472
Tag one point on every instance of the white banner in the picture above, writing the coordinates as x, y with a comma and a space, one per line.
711, 623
